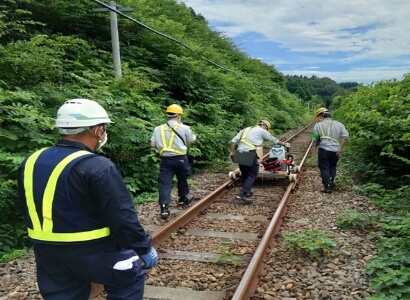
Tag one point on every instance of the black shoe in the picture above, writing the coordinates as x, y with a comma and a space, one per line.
164, 211
243, 199
185, 200
326, 189
332, 183
250, 194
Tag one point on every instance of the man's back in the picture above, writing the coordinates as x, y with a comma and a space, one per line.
329, 132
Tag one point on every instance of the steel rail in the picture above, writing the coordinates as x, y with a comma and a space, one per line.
192, 212
249, 282
165, 232
250, 279
301, 165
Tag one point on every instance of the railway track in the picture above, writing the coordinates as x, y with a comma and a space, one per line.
232, 238
220, 252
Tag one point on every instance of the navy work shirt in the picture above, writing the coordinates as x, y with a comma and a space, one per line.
101, 192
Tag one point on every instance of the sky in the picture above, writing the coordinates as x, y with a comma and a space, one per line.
345, 40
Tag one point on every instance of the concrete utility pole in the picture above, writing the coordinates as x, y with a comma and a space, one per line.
115, 42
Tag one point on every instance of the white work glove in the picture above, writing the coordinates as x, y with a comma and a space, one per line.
287, 145
126, 264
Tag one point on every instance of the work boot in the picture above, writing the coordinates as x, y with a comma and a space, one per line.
332, 183
164, 211
243, 199
326, 189
185, 200
250, 194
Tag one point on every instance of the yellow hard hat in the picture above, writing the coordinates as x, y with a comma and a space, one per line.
264, 122
174, 109
319, 111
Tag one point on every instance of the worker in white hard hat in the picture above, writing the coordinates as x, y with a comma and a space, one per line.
79, 213
171, 140
330, 137
246, 142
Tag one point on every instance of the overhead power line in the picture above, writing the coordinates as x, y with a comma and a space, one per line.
119, 12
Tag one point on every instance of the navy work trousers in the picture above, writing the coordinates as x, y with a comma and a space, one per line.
327, 162
249, 174
168, 168
66, 272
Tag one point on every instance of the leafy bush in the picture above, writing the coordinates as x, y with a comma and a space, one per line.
13, 255
380, 129
316, 244
397, 225
355, 219
390, 270
13, 236
388, 200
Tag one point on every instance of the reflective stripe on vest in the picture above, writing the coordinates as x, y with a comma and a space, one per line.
44, 232
168, 146
243, 138
328, 136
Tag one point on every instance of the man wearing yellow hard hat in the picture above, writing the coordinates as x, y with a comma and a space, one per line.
171, 140
246, 141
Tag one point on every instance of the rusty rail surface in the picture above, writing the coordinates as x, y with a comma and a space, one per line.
250, 279
249, 282
165, 232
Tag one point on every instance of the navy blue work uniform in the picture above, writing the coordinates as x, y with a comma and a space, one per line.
82, 221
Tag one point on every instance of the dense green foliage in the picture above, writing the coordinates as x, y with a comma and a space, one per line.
316, 91
379, 123
378, 118
51, 51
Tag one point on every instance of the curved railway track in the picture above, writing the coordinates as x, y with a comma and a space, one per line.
234, 238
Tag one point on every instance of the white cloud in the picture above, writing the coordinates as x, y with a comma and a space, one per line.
359, 30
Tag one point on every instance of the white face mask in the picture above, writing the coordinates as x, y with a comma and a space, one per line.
102, 141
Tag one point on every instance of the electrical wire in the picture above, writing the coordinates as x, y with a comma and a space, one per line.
176, 41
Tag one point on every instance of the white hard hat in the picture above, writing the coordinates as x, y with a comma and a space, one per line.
80, 113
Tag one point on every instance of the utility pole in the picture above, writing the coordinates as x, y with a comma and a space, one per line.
115, 42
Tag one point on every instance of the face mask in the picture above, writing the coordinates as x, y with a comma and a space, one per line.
102, 141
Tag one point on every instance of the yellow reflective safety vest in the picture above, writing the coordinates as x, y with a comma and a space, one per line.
167, 145
243, 137
52, 214
326, 135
